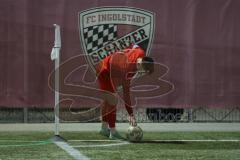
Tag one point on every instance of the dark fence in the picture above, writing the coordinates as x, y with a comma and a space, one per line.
151, 115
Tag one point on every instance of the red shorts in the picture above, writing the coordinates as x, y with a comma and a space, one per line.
105, 81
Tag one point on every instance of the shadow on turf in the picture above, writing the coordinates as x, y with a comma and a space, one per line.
58, 138
160, 142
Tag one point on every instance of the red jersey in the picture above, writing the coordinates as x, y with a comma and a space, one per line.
117, 70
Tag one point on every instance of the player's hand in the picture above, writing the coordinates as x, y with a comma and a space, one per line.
132, 121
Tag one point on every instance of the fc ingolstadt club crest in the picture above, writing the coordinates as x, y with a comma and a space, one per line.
105, 30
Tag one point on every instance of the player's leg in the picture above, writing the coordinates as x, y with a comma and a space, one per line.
105, 85
104, 115
108, 108
108, 117
112, 123
112, 116
105, 131
111, 119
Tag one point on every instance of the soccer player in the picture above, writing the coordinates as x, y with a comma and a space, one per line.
114, 74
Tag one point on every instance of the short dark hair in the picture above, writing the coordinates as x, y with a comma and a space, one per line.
148, 64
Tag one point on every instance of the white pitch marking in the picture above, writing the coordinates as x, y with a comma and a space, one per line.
12, 140
22, 141
102, 145
70, 150
97, 140
125, 142
119, 142
164, 140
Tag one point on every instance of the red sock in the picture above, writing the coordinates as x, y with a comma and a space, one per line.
109, 114
112, 116
105, 114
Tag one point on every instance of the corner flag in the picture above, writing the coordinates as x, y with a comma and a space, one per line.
57, 43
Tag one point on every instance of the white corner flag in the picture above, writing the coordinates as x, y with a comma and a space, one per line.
57, 43
55, 56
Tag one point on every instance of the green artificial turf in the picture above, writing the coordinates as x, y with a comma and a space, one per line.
37, 145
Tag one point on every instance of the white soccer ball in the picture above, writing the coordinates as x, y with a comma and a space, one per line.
134, 134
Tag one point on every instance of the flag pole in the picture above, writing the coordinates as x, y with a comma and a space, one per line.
55, 56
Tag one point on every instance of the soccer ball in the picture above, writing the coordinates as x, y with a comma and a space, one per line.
134, 134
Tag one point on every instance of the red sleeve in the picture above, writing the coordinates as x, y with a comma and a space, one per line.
126, 97
140, 52
136, 53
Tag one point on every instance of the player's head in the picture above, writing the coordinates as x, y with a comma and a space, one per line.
146, 65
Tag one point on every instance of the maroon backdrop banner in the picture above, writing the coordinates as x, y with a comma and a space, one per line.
198, 40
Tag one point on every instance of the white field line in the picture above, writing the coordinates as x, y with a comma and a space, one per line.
92, 140
164, 140
71, 151
12, 140
101, 145
120, 142
158, 140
